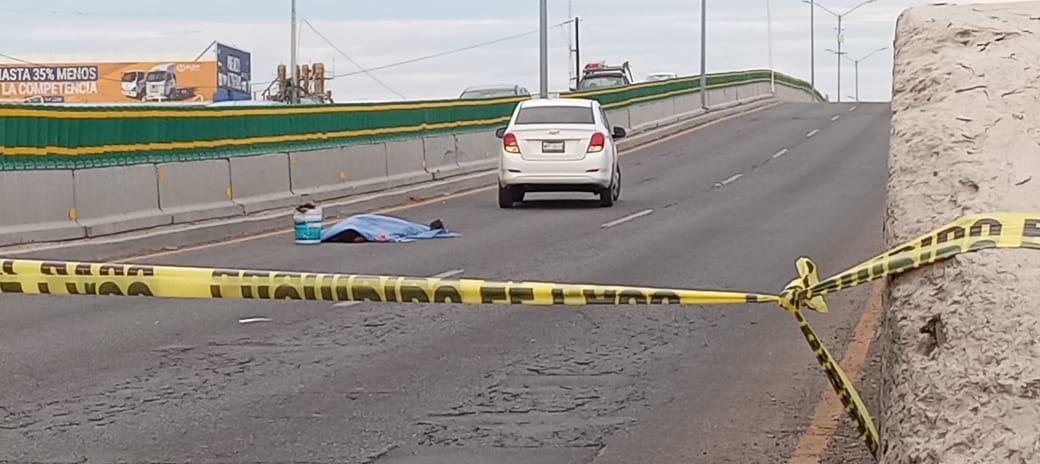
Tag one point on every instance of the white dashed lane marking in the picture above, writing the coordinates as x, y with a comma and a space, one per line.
645, 212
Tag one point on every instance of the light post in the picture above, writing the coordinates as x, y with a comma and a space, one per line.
704, 73
293, 95
840, 17
769, 28
812, 44
543, 45
856, 62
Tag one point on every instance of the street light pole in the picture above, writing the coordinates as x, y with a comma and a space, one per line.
543, 43
293, 96
839, 58
704, 73
769, 27
812, 44
571, 72
840, 17
857, 62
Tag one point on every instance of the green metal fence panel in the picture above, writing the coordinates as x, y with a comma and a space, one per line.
42, 137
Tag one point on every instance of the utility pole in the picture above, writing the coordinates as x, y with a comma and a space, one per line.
812, 44
856, 63
704, 61
572, 76
769, 28
839, 58
543, 42
577, 53
293, 96
841, 38
857, 80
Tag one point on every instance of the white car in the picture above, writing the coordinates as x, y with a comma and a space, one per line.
559, 145
661, 76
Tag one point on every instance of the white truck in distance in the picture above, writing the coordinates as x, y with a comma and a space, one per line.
162, 82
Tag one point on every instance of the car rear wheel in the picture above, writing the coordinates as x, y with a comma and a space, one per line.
609, 195
507, 196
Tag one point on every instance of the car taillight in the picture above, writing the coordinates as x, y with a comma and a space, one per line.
509, 143
597, 142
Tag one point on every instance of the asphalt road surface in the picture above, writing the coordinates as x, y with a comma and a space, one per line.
107, 379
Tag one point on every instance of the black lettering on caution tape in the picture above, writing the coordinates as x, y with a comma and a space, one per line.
365, 289
1031, 233
846, 392
447, 294
592, 298
49, 268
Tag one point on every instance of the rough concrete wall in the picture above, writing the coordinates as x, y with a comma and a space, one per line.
961, 368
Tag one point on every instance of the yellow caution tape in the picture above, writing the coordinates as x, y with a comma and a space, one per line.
968, 234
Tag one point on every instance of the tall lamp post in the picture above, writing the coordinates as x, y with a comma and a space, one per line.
769, 27
294, 96
543, 49
856, 62
704, 72
840, 17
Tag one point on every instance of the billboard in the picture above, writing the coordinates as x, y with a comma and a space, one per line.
109, 82
234, 68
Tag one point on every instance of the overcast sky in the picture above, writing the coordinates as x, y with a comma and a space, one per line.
654, 35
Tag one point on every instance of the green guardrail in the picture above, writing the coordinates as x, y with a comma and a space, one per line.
42, 137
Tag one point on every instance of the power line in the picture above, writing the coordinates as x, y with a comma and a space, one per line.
449, 52
355, 63
95, 13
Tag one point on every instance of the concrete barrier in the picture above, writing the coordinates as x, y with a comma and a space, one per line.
717, 97
647, 112
441, 156
196, 191
405, 163
619, 117
338, 172
260, 183
477, 150
687, 102
118, 199
37, 206
961, 373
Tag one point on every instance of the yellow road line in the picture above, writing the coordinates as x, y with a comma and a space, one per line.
439, 198
813, 442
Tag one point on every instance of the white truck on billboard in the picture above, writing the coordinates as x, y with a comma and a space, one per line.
162, 82
133, 84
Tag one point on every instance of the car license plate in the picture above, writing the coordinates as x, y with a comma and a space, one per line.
552, 147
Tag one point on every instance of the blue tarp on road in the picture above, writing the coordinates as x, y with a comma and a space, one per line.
382, 229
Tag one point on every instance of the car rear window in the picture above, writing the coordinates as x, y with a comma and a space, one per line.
556, 115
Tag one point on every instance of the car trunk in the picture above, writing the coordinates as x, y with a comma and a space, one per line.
554, 142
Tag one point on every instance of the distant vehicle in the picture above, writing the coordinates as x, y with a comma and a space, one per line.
553, 145
41, 99
601, 76
494, 91
162, 82
133, 84
660, 76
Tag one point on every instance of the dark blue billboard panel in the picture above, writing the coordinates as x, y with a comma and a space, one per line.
234, 73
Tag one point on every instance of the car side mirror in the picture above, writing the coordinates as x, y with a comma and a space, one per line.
500, 132
620, 133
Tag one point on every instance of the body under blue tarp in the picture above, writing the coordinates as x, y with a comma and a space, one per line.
381, 229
